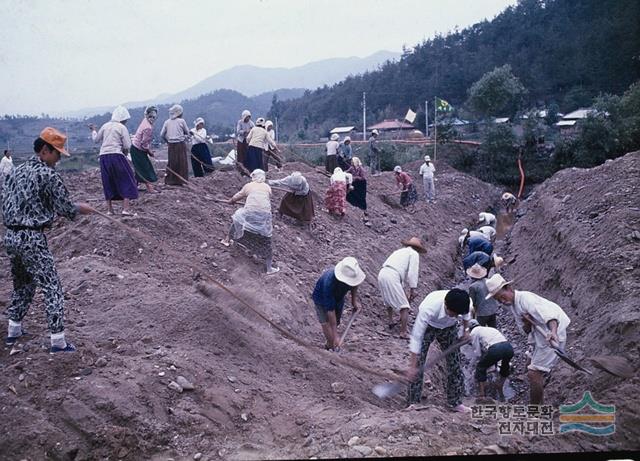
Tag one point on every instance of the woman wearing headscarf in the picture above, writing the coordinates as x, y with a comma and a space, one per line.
141, 150
358, 195
331, 162
257, 139
200, 154
176, 132
336, 198
252, 224
409, 194
118, 181
268, 151
345, 152
243, 127
297, 202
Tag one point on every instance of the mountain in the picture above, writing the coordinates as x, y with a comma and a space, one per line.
564, 52
253, 80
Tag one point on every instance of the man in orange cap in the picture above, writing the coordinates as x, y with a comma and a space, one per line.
33, 194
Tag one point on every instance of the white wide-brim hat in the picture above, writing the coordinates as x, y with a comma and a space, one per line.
335, 136
348, 271
477, 271
495, 284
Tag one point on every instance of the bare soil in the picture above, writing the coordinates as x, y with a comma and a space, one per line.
138, 321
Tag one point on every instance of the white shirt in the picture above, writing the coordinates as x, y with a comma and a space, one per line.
406, 262
332, 147
482, 338
199, 136
272, 135
114, 136
258, 137
471, 235
487, 218
541, 310
488, 231
427, 170
431, 312
6, 165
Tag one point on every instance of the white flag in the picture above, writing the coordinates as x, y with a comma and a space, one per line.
411, 116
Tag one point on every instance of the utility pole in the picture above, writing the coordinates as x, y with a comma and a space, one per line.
364, 116
426, 119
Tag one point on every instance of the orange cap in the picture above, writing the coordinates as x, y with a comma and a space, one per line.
55, 138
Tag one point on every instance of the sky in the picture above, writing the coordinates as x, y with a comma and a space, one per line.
62, 55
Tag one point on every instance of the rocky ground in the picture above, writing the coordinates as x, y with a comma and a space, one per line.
140, 324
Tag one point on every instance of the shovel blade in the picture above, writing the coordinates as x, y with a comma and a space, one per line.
386, 390
569, 361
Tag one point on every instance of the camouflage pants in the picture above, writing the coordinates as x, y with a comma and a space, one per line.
32, 266
454, 387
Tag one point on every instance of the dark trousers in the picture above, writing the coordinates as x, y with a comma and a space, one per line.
487, 320
454, 387
501, 352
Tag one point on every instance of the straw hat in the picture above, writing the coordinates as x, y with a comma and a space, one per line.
498, 261
495, 284
477, 271
55, 138
416, 244
348, 271
335, 136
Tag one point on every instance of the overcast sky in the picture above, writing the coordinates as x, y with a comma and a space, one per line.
58, 55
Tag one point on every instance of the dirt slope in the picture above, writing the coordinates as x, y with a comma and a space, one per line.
139, 322
574, 245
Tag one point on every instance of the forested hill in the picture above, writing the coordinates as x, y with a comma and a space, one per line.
563, 51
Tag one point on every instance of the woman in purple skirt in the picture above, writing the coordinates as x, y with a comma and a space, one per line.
118, 180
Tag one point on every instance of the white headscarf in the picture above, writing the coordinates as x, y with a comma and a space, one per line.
258, 175
338, 175
120, 114
245, 114
397, 169
268, 124
356, 161
175, 111
198, 121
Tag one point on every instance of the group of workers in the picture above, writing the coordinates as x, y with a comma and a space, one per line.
439, 313
34, 192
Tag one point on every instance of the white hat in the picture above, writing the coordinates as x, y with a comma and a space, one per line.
477, 271
507, 196
258, 175
348, 271
498, 261
464, 231
175, 111
260, 121
374, 132
120, 114
427, 158
397, 169
198, 121
335, 136
495, 284
245, 114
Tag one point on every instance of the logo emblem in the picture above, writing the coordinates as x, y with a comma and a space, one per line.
601, 421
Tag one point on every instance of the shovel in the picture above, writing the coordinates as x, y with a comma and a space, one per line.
386, 390
346, 330
559, 352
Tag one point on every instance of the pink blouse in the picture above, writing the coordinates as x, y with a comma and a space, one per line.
403, 179
144, 135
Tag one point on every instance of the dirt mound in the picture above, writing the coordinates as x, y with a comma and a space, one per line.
575, 244
139, 322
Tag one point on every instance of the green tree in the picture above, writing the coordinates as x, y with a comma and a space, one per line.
497, 93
